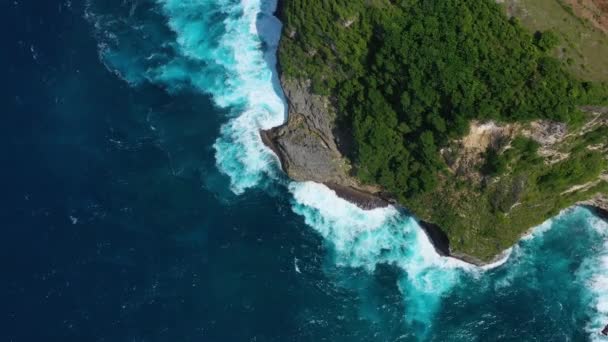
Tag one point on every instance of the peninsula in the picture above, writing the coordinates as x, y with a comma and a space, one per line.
455, 110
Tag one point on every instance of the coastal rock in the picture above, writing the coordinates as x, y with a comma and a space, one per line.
306, 146
599, 204
465, 156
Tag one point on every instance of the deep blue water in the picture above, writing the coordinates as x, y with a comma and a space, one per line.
139, 205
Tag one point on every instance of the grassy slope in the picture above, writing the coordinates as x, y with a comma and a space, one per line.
483, 220
586, 46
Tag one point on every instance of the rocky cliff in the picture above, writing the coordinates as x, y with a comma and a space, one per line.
309, 150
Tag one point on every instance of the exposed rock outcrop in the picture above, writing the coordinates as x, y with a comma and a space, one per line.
465, 155
599, 204
307, 148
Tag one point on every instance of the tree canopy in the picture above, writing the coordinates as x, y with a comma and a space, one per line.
409, 75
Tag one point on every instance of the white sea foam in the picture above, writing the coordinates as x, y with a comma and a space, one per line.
358, 238
365, 239
501, 261
240, 152
248, 85
594, 272
232, 60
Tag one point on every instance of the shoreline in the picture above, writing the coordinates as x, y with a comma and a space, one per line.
367, 200
440, 241
602, 213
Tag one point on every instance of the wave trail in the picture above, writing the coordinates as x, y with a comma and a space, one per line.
224, 48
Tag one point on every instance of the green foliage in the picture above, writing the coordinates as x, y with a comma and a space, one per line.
522, 154
597, 136
546, 40
577, 169
409, 75
495, 164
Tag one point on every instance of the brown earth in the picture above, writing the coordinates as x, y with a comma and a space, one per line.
596, 11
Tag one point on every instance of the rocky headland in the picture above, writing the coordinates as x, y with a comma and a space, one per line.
497, 181
309, 149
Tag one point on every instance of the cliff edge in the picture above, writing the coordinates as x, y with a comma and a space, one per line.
389, 102
307, 147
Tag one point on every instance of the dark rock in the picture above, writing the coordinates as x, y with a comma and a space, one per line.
306, 145
362, 199
438, 238
599, 205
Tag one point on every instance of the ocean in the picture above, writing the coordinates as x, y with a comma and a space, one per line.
139, 203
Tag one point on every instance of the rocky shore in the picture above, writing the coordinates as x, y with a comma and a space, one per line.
599, 205
308, 149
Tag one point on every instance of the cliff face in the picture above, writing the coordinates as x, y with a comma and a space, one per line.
307, 147
599, 204
306, 142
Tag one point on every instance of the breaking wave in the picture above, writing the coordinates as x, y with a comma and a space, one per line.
366, 239
594, 274
223, 48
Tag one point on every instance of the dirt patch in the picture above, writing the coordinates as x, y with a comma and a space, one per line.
465, 156
481, 136
596, 11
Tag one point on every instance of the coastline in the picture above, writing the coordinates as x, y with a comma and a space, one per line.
598, 211
368, 200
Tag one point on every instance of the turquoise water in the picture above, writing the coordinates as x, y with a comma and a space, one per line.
143, 206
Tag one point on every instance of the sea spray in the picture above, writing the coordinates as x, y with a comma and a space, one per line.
224, 48
365, 239
235, 62
594, 274
247, 54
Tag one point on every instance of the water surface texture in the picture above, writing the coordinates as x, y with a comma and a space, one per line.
139, 203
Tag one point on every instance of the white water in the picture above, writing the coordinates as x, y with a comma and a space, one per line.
365, 239
358, 238
594, 272
247, 85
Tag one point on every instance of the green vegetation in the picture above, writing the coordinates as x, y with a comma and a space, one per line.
581, 168
583, 47
408, 76
481, 221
